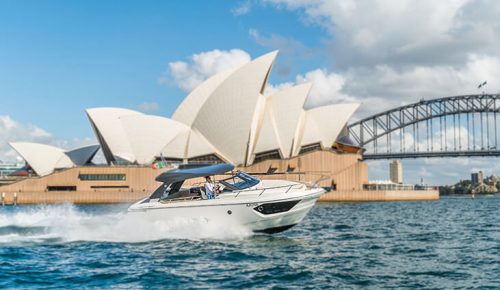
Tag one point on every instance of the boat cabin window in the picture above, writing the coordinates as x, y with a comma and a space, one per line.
160, 191
166, 189
240, 180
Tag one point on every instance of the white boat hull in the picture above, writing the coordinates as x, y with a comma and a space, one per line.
268, 213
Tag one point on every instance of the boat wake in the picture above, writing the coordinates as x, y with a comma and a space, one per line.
69, 223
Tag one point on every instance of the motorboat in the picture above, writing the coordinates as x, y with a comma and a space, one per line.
264, 206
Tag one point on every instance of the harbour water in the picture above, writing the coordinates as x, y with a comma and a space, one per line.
449, 243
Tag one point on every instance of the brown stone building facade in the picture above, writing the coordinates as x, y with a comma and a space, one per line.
343, 174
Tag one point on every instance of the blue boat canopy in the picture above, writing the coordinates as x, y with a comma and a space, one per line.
176, 175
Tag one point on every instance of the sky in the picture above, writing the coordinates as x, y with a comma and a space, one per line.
58, 58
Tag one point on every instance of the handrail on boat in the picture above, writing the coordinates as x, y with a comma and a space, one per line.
316, 182
290, 186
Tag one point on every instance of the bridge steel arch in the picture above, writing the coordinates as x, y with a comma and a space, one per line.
432, 119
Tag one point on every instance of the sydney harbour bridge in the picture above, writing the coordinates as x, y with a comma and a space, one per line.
445, 127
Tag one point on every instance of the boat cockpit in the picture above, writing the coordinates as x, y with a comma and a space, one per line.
171, 189
239, 181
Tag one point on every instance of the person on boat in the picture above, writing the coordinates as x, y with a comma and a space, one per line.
210, 188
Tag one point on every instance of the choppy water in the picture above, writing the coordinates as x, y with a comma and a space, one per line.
451, 243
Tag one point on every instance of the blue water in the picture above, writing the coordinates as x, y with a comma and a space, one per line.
451, 243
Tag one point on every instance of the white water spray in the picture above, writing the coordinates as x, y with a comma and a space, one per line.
68, 223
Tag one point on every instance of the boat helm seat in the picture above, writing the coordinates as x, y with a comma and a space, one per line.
203, 193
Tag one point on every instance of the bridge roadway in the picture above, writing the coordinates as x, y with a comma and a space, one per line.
401, 155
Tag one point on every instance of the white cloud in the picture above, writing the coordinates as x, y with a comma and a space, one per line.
148, 107
188, 74
290, 50
326, 88
384, 87
11, 130
14, 131
405, 31
425, 81
398, 52
273, 88
242, 8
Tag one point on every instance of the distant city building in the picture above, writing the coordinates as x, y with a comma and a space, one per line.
477, 177
7, 169
396, 171
474, 177
493, 180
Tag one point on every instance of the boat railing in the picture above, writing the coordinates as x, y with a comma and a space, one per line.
308, 184
315, 183
287, 187
263, 190
238, 192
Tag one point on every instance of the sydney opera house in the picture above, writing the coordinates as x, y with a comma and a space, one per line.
227, 118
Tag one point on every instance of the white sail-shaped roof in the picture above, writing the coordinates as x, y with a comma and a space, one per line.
258, 119
282, 121
147, 135
267, 136
191, 105
323, 124
177, 148
83, 155
227, 117
189, 143
309, 133
192, 143
43, 159
198, 145
130, 136
289, 113
112, 136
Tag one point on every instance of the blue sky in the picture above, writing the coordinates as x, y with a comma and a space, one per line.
58, 58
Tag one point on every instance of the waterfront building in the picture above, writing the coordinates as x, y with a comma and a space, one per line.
7, 169
477, 178
396, 171
225, 119
228, 118
474, 178
493, 180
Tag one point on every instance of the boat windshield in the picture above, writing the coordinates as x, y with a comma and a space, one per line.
240, 180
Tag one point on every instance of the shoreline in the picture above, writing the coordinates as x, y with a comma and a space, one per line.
101, 197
